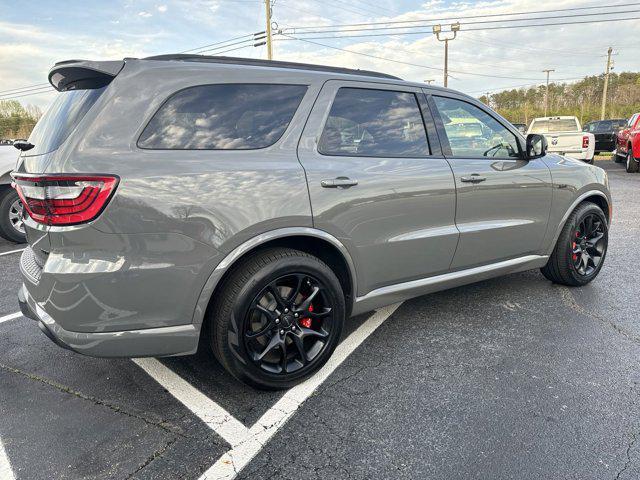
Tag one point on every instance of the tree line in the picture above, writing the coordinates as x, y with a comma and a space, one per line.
582, 99
17, 121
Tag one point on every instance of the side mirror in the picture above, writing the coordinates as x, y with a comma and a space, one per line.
536, 146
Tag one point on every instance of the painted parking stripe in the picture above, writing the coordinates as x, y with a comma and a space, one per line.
232, 462
6, 473
11, 252
218, 419
12, 316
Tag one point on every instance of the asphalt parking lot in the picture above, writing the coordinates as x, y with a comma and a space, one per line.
504, 379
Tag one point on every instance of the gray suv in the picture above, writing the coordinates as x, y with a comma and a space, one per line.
252, 207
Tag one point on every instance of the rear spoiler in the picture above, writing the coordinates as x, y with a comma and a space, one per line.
83, 74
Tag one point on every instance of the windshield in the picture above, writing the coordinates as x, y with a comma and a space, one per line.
555, 125
62, 117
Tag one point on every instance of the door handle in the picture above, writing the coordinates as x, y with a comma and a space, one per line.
473, 178
340, 182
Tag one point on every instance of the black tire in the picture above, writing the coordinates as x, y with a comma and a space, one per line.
590, 161
237, 306
8, 229
631, 164
561, 267
618, 158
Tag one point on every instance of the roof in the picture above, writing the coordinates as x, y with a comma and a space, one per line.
268, 63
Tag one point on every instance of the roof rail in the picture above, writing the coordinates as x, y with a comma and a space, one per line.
268, 63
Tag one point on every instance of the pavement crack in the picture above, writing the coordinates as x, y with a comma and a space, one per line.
115, 408
155, 455
627, 464
576, 307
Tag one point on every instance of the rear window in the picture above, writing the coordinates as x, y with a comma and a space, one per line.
374, 123
61, 119
223, 117
555, 125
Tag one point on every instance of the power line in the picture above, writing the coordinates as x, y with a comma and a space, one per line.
443, 19
555, 17
29, 87
217, 43
404, 63
423, 32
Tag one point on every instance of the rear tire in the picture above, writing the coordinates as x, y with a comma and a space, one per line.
11, 224
566, 266
254, 334
632, 164
590, 161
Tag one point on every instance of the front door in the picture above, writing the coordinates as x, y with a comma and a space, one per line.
503, 200
379, 182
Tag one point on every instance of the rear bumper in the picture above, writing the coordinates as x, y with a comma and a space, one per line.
150, 342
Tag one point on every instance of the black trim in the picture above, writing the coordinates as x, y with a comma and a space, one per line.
267, 63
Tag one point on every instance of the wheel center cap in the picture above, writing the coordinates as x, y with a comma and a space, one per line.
286, 321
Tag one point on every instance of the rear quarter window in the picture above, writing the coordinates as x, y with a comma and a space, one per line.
223, 117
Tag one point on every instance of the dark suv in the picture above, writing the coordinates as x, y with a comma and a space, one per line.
257, 205
605, 132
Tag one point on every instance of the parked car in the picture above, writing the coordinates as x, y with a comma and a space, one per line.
605, 132
11, 225
565, 136
256, 205
628, 144
522, 127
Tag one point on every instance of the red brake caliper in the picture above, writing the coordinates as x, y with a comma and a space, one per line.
573, 247
306, 321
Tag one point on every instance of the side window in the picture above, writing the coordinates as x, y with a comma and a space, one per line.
231, 116
474, 133
374, 123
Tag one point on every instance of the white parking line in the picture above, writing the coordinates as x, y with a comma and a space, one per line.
6, 473
12, 251
218, 419
245, 449
6, 318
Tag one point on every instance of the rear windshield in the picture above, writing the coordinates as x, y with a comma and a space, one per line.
555, 125
223, 117
61, 119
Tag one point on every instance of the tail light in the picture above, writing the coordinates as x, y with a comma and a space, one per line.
64, 199
585, 141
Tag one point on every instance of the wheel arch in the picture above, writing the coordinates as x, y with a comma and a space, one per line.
593, 196
310, 240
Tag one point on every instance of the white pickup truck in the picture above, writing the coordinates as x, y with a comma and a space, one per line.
11, 227
565, 136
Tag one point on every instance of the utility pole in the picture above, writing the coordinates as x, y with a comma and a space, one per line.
606, 84
546, 95
268, 11
437, 30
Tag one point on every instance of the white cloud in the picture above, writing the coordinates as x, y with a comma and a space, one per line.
162, 8
144, 14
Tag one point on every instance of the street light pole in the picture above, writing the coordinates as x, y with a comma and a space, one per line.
546, 95
437, 30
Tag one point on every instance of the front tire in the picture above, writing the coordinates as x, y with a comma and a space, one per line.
11, 222
278, 318
631, 165
581, 247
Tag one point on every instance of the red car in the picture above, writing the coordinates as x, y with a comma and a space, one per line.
628, 144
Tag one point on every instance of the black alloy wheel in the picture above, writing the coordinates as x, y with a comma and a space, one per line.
277, 318
589, 245
581, 248
288, 323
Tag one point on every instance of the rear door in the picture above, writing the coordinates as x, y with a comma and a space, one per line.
503, 201
378, 181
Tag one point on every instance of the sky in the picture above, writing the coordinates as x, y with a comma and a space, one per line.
35, 35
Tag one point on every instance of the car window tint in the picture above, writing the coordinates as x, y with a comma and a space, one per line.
374, 123
223, 117
474, 133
